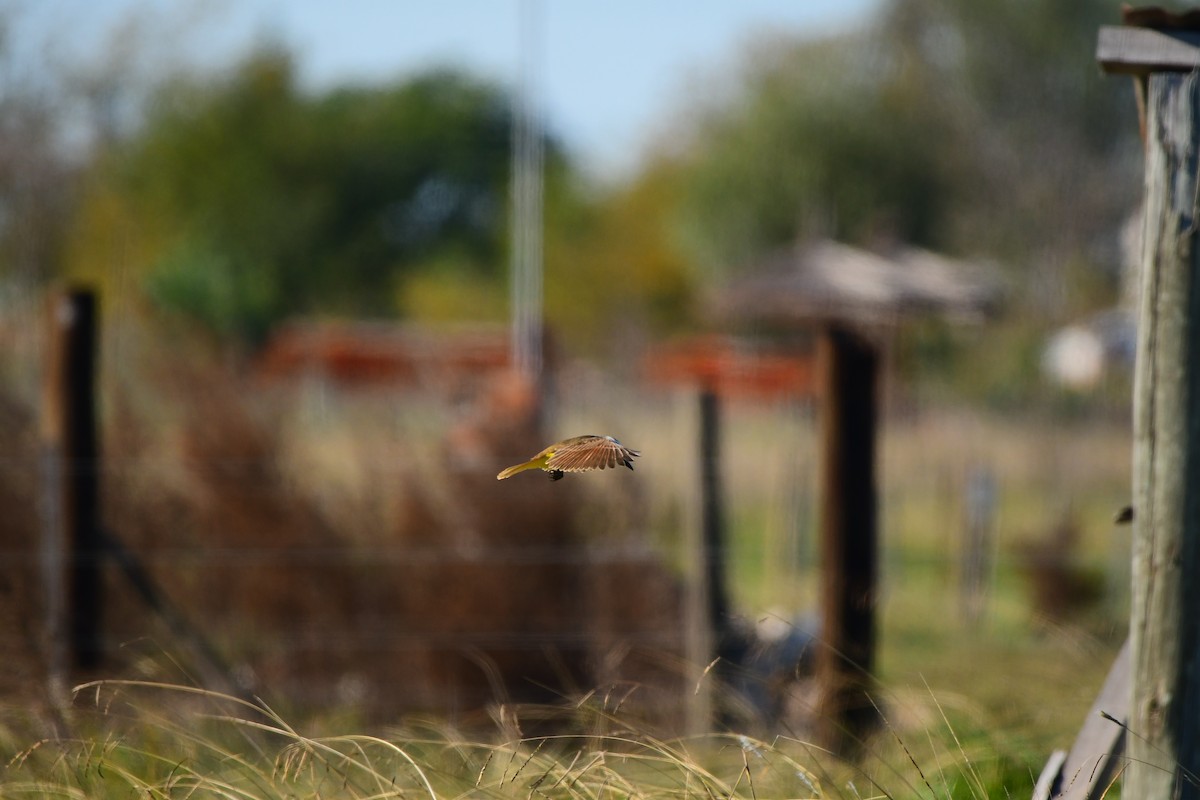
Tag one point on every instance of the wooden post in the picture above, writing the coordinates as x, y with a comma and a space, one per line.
729, 645
699, 693
72, 542
713, 517
849, 367
1164, 713
1165, 626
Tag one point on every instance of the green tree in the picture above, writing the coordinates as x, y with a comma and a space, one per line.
1041, 144
809, 142
244, 200
614, 268
966, 126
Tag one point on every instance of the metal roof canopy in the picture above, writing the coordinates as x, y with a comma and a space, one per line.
827, 281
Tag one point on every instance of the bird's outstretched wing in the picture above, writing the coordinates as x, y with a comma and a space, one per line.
583, 453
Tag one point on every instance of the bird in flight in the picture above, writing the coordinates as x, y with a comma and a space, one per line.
577, 454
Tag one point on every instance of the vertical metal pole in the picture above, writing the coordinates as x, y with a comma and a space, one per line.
525, 279
72, 548
978, 535
849, 551
1164, 750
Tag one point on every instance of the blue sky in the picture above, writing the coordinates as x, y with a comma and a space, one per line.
611, 71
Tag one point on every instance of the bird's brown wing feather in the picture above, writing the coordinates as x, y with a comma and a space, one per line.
585, 453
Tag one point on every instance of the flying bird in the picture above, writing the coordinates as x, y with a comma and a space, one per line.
577, 454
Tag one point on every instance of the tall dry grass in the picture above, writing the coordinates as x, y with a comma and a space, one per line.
353, 551
158, 740
349, 549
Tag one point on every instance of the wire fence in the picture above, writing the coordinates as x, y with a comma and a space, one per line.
337, 545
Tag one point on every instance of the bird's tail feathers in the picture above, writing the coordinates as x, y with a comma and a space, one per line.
513, 470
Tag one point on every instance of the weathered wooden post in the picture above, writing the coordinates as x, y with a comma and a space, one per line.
849, 365
72, 540
1164, 714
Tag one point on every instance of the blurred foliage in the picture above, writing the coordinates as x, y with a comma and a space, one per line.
37, 184
451, 289
808, 143
612, 269
996, 367
244, 200
237, 198
975, 128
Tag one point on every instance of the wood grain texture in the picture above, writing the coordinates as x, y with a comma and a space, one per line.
1165, 704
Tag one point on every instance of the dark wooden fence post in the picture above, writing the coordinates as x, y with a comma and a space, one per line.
713, 517
73, 545
849, 367
729, 645
1164, 713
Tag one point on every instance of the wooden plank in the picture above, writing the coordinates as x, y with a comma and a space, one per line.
1164, 747
1139, 51
849, 365
1091, 765
1048, 780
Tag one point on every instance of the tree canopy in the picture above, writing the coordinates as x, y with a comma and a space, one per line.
981, 128
247, 200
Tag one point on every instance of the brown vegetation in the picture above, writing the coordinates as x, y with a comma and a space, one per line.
435, 589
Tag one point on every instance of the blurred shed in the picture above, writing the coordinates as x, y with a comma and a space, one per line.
824, 281
800, 288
